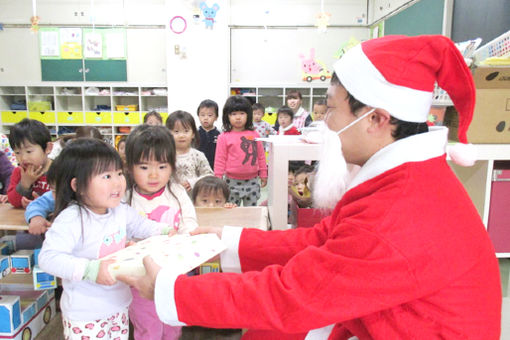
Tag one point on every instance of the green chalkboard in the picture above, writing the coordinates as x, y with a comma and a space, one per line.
105, 70
424, 17
61, 69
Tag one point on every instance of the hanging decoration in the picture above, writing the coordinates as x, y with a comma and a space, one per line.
312, 69
345, 46
34, 20
209, 14
322, 19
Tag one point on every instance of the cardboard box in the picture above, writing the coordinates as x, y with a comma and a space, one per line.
247, 217
491, 118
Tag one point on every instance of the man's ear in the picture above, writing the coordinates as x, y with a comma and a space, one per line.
49, 147
379, 119
73, 184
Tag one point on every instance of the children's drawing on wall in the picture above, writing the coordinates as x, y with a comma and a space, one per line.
209, 14
313, 69
93, 45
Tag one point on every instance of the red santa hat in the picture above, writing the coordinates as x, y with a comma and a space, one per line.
398, 73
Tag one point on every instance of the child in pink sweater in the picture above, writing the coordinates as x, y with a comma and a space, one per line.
239, 157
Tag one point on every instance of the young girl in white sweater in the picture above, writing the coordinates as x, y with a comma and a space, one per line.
90, 223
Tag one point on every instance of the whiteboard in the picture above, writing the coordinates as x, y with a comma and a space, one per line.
263, 56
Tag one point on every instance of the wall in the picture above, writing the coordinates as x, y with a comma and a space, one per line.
202, 72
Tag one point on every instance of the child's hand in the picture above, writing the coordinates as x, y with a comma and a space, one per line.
230, 205
30, 175
186, 185
263, 182
38, 225
172, 232
3, 198
130, 243
25, 202
103, 276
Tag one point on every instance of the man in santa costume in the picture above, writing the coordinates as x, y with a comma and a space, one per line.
404, 254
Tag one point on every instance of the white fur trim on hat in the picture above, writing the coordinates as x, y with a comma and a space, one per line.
362, 79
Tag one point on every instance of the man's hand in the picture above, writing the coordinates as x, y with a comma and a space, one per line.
38, 225
144, 284
30, 175
103, 276
208, 230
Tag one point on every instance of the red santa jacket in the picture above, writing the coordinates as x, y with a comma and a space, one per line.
40, 186
403, 256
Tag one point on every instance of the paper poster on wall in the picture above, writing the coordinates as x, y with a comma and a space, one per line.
115, 45
49, 43
71, 43
93, 45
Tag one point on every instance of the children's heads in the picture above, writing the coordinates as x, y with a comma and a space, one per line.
182, 126
153, 118
294, 100
31, 143
121, 147
285, 116
207, 114
237, 114
210, 191
150, 158
301, 179
89, 132
319, 110
88, 172
258, 112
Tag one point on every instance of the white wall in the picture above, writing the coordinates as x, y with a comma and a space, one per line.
204, 72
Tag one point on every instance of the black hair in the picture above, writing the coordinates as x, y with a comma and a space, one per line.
208, 104
29, 130
147, 142
295, 165
321, 102
51, 175
294, 94
234, 104
187, 121
286, 111
210, 184
153, 114
402, 129
81, 159
258, 106
88, 131
306, 169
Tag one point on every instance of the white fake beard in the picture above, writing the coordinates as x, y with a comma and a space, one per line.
331, 180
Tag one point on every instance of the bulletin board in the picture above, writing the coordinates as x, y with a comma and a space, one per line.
272, 55
76, 54
424, 17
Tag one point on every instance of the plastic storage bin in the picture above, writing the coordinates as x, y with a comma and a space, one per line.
98, 117
12, 117
126, 118
47, 117
132, 107
69, 117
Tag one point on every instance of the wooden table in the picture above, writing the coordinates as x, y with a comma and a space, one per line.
12, 218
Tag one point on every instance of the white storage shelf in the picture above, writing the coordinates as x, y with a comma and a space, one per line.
72, 105
476, 179
275, 95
